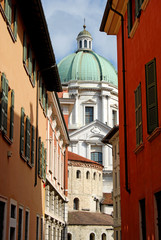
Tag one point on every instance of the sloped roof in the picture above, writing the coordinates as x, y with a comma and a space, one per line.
75, 157
89, 218
107, 199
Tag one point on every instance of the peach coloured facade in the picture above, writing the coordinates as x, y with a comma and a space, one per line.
22, 189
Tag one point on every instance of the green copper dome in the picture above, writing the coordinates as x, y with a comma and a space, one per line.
86, 66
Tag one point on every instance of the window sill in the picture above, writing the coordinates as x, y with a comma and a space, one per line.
135, 26
7, 139
29, 164
154, 134
23, 157
139, 148
27, 71
11, 33
144, 4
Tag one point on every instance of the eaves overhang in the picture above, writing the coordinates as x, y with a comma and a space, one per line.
36, 27
111, 21
111, 133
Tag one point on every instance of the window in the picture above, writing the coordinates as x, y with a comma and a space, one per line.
27, 139
158, 213
78, 174
11, 15
80, 44
2, 219
20, 223
37, 227
94, 176
138, 115
117, 235
69, 236
41, 230
43, 97
76, 204
103, 236
115, 179
116, 210
90, 44
27, 225
6, 109
87, 175
114, 117
85, 43
92, 236
28, 60
97, 157
41, 160
142, 219
151, 96
88, 114
13, 218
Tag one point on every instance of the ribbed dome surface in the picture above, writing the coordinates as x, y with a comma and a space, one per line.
84, 32
87, 65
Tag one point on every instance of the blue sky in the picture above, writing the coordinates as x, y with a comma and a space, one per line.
65, 19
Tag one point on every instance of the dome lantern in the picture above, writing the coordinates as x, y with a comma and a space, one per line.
84, 40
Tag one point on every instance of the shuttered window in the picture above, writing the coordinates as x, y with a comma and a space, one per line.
138, 4
151, 96
6, 109
43, 96
41, 160
27, 139
138, 115
129, 16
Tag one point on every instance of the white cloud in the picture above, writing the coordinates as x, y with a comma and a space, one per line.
65, 20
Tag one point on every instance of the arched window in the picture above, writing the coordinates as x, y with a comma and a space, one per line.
103, 236
90, 44
85, 43
92, 236
94, 175
87, 175
76, 204
69, 236
78, 174
100, 176
80, 44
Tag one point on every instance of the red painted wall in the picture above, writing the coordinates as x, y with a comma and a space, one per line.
144, 168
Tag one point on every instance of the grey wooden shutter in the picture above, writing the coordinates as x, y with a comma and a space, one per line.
42, 161
34, 72
138, 115
22, 132
137, 8
129, 16
46, 107
45, 152
15, 22
32, 145
27, 140
151, 96
43, 96
40, 88
12, 115
30, 61
2, 105
39, 155
24, 48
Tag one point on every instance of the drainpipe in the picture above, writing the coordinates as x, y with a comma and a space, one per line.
124, 98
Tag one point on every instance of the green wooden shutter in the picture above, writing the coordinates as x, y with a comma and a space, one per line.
30, 61
6, 7
151, 96
42, 161
32, 145
15, 22
138, 115
12, 115
45, 164
5, 107
129, 16
2, 106
10, 11
138, 4
39, 156
40, 88
24, 48
34, 72
22, 132
43, 96
27, 140
46, 107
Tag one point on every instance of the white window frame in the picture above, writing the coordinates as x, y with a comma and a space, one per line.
13, 221
27, 210
94, 112
2, 199
21, 207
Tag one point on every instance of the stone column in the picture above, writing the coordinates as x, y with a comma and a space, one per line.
56, 205
47, 197
88, 154
52, 202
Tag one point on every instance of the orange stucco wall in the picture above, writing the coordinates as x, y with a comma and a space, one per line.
16, 177
143, 167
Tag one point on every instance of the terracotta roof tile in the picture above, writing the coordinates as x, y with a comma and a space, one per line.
76, 157
89, 218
